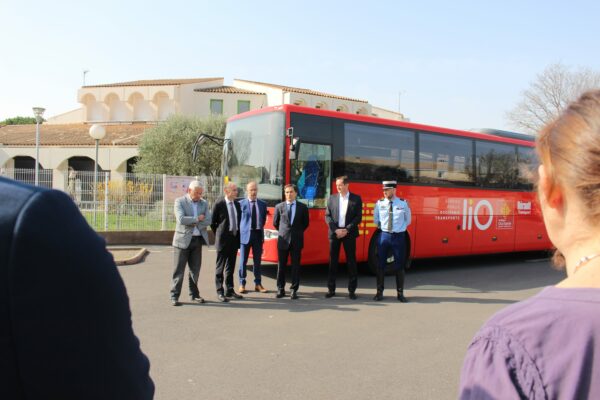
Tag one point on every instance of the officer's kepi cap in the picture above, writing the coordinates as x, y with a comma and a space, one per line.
389, 184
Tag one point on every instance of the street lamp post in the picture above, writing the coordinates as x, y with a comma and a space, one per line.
97, 132
38, 112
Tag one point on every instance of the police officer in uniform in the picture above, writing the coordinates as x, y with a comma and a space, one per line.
392, 216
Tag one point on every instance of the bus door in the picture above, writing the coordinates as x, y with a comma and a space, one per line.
311, 173
440, 229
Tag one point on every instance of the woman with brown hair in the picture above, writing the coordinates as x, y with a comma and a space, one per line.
548, 347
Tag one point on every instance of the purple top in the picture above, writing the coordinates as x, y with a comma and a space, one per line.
546, 347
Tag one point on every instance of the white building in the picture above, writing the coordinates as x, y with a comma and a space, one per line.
128, 108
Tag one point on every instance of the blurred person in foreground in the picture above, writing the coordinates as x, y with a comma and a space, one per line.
65, 323
548, 347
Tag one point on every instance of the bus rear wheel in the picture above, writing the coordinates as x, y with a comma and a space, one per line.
373, 260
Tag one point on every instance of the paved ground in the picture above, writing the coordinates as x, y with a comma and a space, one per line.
317, 348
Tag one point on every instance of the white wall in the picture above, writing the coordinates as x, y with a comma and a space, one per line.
388, 114
70, 117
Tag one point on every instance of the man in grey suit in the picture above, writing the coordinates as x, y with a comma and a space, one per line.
192, 217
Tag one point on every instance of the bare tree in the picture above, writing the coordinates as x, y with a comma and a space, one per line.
549, 94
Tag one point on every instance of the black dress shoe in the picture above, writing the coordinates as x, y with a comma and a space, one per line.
233, 294
402, 299
222, 298
329, 295
280, 294
294, 295
197, 299
352, 296
175, 302
378, 296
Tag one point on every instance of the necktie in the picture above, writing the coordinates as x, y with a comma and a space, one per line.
233, 219
253, 217
290, 212
390, 218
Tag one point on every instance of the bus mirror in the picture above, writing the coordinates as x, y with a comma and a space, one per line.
294, 148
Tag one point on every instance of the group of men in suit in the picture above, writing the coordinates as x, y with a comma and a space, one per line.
236, 225
240, 225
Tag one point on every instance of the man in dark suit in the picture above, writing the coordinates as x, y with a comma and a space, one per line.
226, 214
252, 235
291, 220
65, 322
343, 216
192, 217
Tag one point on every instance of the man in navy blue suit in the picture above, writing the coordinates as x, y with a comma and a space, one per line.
252, 235
291, 220
65, 323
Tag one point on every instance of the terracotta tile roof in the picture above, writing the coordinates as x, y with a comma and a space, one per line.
72, 135
227, 89
154, 82
304, 91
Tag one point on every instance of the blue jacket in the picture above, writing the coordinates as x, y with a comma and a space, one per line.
65, 323
246, 222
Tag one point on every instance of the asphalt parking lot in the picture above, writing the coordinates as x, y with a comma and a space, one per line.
317, 348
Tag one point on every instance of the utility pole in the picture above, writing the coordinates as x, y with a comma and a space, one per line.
85, 71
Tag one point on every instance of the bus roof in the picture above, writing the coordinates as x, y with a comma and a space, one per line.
485, 134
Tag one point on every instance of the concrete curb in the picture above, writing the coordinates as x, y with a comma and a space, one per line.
131, 260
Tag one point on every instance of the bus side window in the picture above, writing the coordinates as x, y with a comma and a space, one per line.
496, 165
527, 167
445, 160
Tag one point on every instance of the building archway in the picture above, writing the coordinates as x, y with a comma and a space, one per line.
131, 162
94, 110
117, 110
80, 178
140, 107
22, 169
164, 106
300, 102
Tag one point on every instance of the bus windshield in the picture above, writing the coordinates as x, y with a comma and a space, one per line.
255, 153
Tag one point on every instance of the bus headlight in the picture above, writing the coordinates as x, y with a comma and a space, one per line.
271, 234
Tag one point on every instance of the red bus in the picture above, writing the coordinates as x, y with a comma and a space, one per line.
467, 190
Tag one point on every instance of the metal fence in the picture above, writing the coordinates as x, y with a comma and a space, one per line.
121, 202
28, 176
132, 202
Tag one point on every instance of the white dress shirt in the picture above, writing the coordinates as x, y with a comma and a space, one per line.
343, 208
232, 217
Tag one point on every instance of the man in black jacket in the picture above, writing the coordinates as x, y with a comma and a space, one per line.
65, 323
226, 215
291, 220
343, 216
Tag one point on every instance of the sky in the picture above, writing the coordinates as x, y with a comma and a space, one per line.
457, 64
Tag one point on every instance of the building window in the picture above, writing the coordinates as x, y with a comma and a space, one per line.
243, 106
216, 107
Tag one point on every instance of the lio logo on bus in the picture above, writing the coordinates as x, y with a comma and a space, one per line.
472, 215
